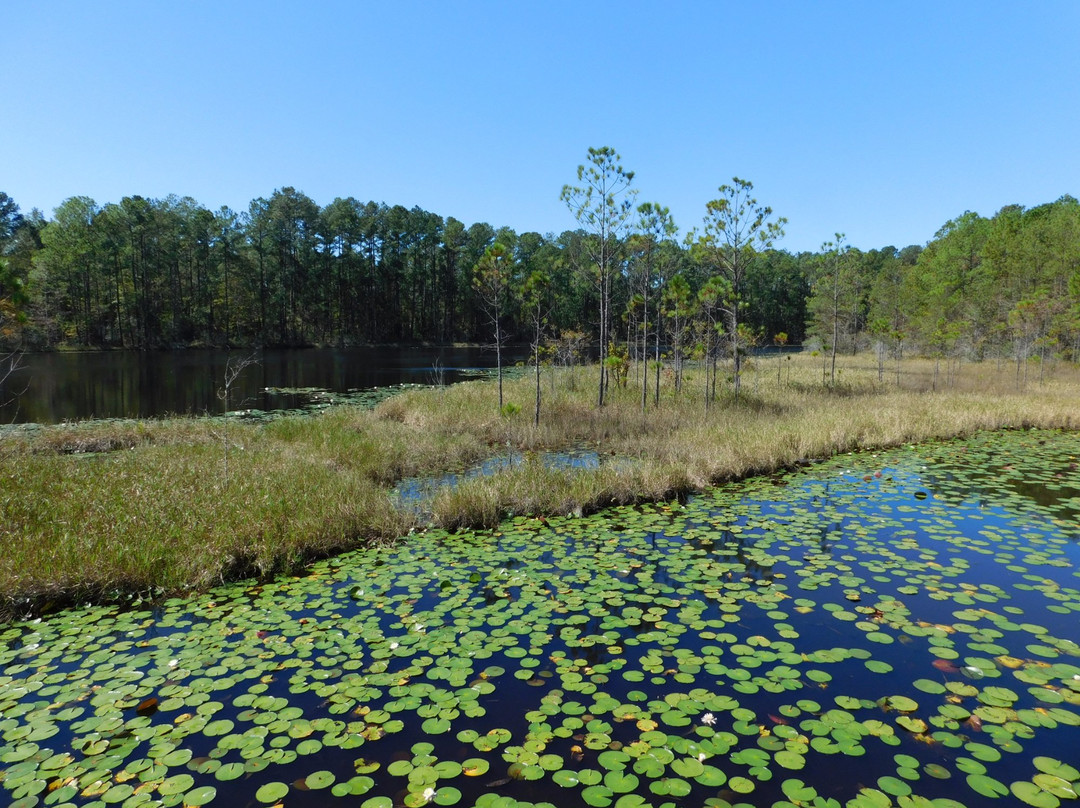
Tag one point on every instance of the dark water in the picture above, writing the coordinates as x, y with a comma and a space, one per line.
731, 650
50, 388
417, 492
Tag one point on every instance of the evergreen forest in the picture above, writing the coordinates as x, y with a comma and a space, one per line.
160, 273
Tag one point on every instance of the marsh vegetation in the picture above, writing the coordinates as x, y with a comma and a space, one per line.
883, 629
101, 510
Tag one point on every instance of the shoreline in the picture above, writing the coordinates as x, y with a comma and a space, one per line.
172, 507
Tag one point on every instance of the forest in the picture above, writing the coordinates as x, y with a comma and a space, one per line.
163, 273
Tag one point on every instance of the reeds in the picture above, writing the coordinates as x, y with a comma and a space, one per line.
119, 509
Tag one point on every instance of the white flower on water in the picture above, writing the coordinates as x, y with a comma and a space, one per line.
709, 719
429, 792
173, 663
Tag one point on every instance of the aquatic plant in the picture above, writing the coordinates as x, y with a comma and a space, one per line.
878, 630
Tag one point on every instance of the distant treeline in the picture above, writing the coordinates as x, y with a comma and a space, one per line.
152, 273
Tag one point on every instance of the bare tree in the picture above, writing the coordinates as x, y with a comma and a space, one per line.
779, 340
651, 261
234, 367
492, 279
9, 364
831, 292
536, 304
568, 348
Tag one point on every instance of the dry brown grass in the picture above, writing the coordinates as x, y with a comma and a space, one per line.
152, 511
681, 447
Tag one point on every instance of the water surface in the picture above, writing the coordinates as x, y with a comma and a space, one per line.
876, 630
51, 388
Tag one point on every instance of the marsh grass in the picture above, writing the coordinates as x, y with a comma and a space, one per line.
108, 510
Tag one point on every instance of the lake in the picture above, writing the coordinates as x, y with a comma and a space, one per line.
51, 388
892, 629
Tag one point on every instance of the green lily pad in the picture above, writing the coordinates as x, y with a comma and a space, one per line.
929, 686
790, 760
1056, 767
987, 786
741, 785
1058, 786
177, 784
797, 791
903, 704
597, 796
319, 780
446, 795
378, 802
200, 796
229, 771
271, 792
1031, 794
565, 778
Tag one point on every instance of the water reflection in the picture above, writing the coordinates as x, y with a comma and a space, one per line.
416, 493
51, 388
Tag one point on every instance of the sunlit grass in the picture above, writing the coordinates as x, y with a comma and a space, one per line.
108, 509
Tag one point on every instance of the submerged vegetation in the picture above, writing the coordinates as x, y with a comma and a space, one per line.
104, 510
886, 630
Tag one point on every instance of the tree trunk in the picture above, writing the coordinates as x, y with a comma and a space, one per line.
536, 361
656, 398
498, 359
645, 354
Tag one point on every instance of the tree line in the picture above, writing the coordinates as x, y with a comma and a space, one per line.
153, 273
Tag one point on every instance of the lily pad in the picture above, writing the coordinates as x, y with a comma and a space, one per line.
271, 792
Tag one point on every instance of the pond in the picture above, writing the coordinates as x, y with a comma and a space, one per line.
416, 493
879, 630
50, 388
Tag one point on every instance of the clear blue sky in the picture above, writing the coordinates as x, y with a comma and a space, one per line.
880, 120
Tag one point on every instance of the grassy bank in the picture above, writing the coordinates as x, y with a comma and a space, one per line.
105, 510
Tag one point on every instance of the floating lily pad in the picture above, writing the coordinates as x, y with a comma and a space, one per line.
1033, 795
987, 786
446, 795
902, 704
712, 608
177, 784
319, 780
200, 796
1056, 768
271, 792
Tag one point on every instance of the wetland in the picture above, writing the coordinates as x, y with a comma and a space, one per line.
883, 628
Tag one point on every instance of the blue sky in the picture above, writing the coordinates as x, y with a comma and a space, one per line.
880, 120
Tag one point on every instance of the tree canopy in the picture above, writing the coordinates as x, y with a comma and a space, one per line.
150, 273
